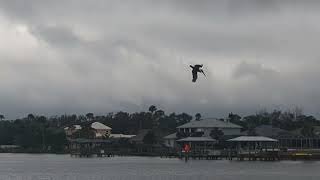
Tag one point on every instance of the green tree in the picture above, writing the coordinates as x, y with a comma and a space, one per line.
307, 130
149, 138
89, 116
30, 117
86, 131
183, 118
1, 117
216, 133
6, 132
236, 119
56, 139
121, 122
198, 116
152, 109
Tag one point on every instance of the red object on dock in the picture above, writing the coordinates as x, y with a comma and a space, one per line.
186, 148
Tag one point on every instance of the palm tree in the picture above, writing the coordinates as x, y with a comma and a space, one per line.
198, 116
30, 117
152, 109
89, 116
183, 118
1, 117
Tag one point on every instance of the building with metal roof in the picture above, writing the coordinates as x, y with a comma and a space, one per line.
138, 139
100, 126
101, 130
252, 139
170, 140
198, 145
268, 131
197, 139
171, 136
207, 125
126, 136
72, 129
253, 144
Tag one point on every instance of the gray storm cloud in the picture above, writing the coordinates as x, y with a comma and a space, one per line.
78, 56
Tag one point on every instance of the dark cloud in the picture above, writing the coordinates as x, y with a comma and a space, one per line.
78, 56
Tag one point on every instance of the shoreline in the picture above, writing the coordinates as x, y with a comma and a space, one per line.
184, 158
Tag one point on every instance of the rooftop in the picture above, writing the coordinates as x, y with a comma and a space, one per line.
98, 125
83, 140
121, 136
76, 127
209, 123
171, 136
297, 132
252, 139
268, 131
196, 139
139, 137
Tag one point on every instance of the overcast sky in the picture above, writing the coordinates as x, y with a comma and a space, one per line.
80, 56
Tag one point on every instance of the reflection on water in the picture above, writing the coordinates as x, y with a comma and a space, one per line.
63, 167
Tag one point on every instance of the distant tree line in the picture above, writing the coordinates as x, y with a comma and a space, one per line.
40, 133
287, 120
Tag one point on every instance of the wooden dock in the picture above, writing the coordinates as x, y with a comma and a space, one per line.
256, 156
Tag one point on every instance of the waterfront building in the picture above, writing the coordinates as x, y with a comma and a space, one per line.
205, 126
101, 130
170, 140
201, 131
268, 131
198, 145
138, 139
290, 139
119, 136
72, 130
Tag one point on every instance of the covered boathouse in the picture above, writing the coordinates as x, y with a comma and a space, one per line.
254, 147
199, 146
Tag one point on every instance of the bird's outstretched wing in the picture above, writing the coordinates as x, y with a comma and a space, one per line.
198, 66
203, 73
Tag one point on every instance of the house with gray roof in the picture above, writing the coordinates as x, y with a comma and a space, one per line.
170, 140
268, 131
207, 125
203, 128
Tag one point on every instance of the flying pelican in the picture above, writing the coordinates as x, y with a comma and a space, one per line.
195, 69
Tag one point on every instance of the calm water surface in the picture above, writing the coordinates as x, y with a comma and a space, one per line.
63, 167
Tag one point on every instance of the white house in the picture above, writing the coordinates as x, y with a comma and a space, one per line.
207, 125
70, 130
101, 130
